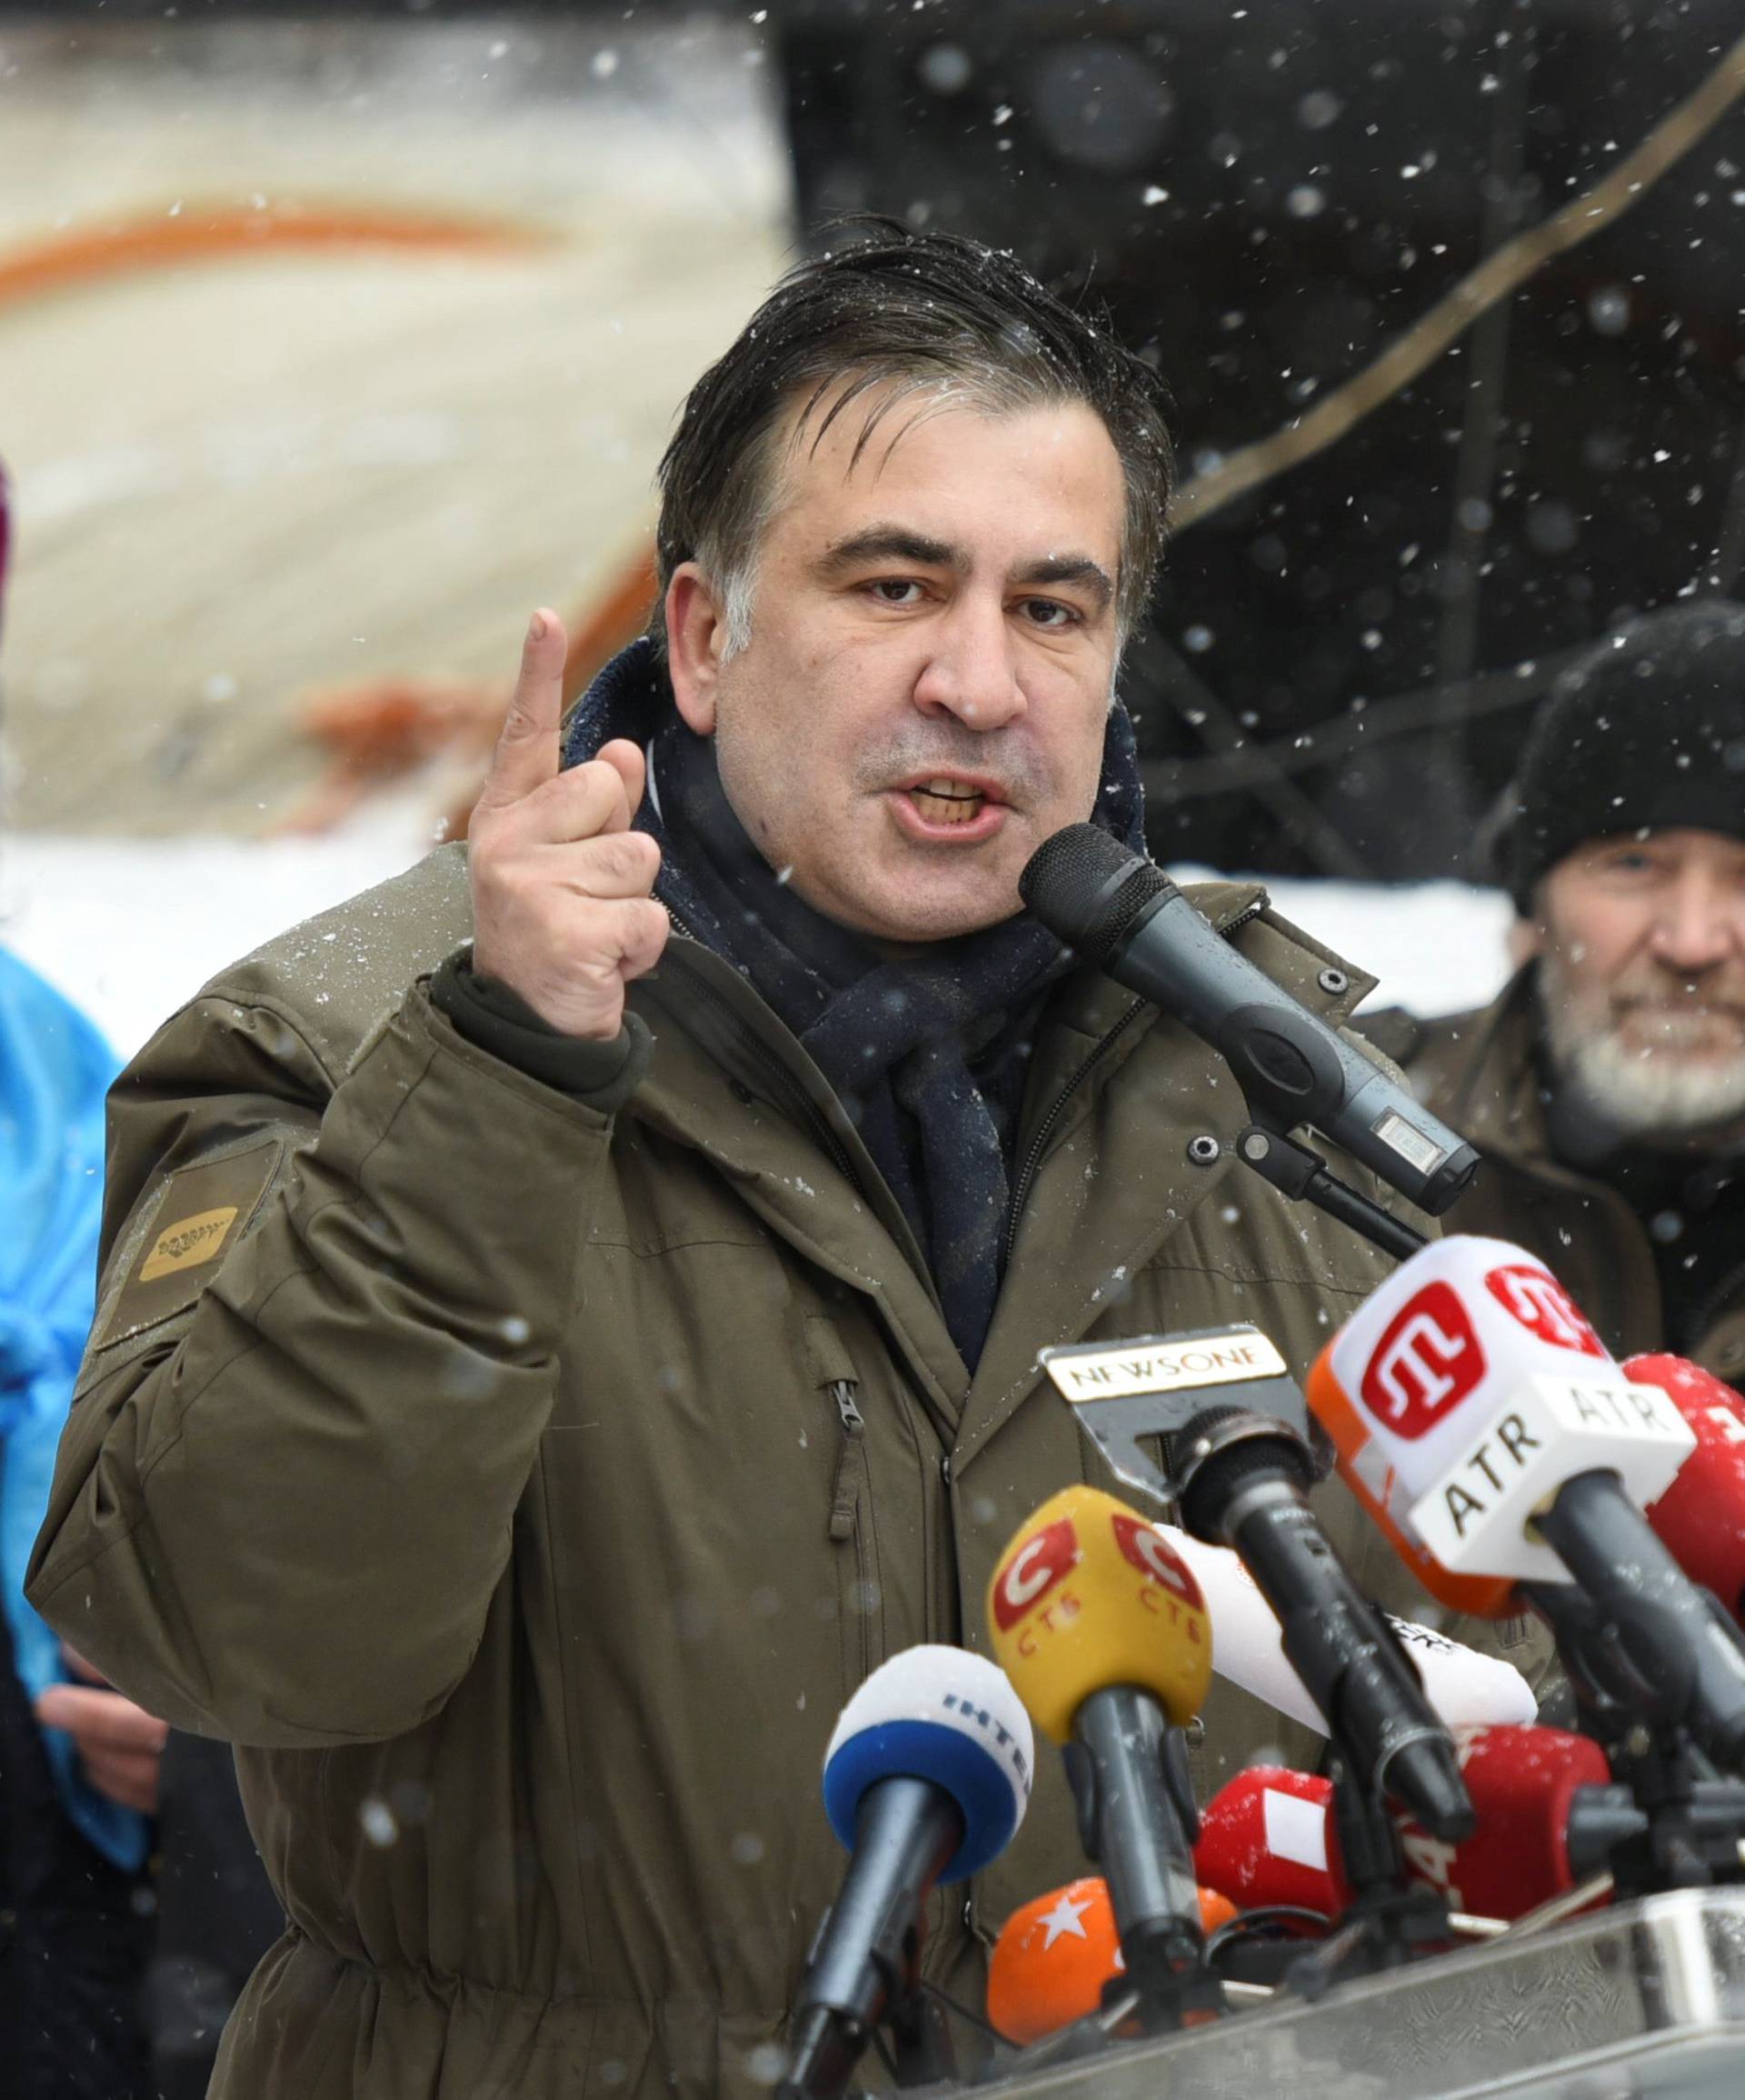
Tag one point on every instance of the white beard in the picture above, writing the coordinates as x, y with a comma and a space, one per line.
1661, 1091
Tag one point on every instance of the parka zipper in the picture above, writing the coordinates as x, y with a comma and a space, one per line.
851, 1524
842, 1500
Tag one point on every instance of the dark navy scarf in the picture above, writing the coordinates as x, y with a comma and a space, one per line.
928, 1053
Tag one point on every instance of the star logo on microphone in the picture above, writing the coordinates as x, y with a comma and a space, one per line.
1066, 1919
1427, 1362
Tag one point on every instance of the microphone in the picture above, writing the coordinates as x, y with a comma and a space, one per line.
1465, 1689
926, 1778
1547, 1819
1105, 1637
1482, 1421
1240, 1470
1124, 914
1700, 1518
1056, 1955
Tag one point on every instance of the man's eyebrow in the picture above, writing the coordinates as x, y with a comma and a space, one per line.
890, 543
897, 543
1071, 569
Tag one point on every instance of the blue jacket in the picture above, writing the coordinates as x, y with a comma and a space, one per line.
55, 1070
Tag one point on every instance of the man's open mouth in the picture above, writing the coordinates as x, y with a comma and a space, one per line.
947, 800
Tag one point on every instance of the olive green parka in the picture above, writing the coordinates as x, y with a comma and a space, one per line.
522, 1487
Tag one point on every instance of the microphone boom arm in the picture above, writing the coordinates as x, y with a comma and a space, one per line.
1300, 1173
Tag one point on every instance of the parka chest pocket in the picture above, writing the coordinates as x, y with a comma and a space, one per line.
851, 1522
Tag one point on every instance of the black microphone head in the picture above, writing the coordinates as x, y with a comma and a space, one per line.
1262, 1444
1088, 889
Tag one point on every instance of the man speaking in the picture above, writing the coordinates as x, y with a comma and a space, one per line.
534, 1382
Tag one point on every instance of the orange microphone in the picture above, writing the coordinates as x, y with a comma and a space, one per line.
1056, 1955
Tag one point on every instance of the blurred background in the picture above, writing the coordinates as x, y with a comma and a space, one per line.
332, 340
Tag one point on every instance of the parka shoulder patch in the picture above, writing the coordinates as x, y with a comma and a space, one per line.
202, 1212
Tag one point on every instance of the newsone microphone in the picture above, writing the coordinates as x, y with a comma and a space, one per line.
1239, 1469
926, 1778
1106, 1639
1123, 914
1482, 1422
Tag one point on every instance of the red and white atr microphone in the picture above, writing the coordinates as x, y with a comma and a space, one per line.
1485, 1426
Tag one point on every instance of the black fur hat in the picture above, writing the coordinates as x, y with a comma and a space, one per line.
1646, 732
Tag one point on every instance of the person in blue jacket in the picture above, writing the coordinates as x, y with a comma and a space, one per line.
77, 1761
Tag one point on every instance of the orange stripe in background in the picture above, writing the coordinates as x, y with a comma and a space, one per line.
156, 241
383, 727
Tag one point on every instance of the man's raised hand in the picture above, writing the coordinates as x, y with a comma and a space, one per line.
563, 905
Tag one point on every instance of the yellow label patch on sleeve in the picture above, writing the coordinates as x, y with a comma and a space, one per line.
188, 1243
201, 1213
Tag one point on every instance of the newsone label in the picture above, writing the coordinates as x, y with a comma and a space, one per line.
1163, 1363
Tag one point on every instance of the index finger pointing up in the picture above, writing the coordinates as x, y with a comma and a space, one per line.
526, 755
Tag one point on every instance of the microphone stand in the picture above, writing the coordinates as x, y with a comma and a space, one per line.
1390, 1920
1304, 1177
1688, 1830
1297, 1171
862, 1979
1130, 1779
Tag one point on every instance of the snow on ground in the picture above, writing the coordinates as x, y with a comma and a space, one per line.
128, 928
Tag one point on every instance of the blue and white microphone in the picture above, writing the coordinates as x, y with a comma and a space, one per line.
926, 1779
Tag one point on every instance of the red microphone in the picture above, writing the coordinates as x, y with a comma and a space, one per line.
1548, 1817
1700, 1518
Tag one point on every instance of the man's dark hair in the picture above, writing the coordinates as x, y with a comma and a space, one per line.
889, 313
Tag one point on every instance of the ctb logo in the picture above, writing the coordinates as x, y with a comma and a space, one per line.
1153, 1556
1428, 1361
1542, 1304
1046, 1557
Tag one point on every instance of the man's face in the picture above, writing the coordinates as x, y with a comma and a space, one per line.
933, 648
1642, 943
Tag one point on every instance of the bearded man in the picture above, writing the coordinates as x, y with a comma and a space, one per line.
531, 1388
1605, 1086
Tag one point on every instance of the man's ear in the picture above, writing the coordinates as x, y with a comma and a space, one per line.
1525, 939
696, 639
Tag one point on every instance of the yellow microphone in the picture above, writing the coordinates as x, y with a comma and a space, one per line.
1104, 1634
